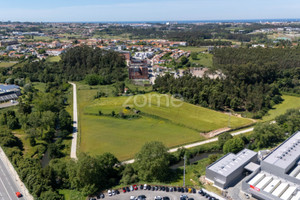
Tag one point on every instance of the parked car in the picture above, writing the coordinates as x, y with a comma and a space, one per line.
109, 193
175, 189
166, 198
92, 198
102, 196
141, 197
153, 188
179, 189
149, 187
167, 189
163, 188
141, 187
157, 198
156, 188
145, 186
127, 189
186, 190
117, 191
124, 189
194, 191
190, 198
184, 196
171, 189
132, 198
131, 188
135, 187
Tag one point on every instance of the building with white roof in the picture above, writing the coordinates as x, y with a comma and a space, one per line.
278, 177
230, 169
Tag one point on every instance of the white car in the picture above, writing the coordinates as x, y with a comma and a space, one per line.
109, 193
132, 198
131, 188
113, 192
157, 198
145, 187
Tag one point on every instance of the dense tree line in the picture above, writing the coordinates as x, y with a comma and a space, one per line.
270, 134
221, 94
280, 66
75, 64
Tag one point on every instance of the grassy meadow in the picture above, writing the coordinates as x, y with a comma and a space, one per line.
53, 59
170, 124
7, 64
289, 102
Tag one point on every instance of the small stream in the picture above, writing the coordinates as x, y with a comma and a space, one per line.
46, 159
195, 159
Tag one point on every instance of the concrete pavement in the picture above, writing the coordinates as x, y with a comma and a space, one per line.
75, 123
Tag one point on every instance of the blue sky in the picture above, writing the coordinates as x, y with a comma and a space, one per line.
146, 10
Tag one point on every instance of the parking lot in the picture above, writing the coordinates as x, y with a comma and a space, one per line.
157, 193
152, 194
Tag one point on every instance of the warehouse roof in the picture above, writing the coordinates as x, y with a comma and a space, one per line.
4, 88
285, 154
230, 162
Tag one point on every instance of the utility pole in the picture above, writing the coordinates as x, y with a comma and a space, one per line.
184, 158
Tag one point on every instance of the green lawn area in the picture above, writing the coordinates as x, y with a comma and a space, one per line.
279, 109
193, 49
39, 86
53, 59
205, 60
7, 64
124, 137
72, 195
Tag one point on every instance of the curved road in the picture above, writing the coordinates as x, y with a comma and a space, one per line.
199, 143
75, 123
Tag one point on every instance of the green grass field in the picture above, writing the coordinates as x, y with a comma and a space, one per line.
279, 109
205, 60
7, 64
124, 137
193, 49
53, 59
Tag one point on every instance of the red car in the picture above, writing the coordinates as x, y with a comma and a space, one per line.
135, 187
18, 194
124, 190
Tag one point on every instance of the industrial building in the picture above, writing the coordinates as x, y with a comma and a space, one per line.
9, 92
231, 168
278, 177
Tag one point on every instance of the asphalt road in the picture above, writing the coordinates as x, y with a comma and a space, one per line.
8, 186
8, 104
151, 194
75, 123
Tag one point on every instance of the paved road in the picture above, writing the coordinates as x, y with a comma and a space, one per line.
200, 143
75, 123
8, 186
8, 104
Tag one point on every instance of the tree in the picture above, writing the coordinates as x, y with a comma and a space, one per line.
184, 60
266, 134
92, 79
233, 145
152, 162
194, 55
129, 175
223, 138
